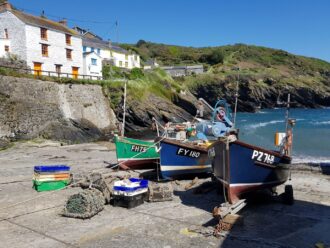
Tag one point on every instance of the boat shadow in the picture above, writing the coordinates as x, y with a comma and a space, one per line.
273, 224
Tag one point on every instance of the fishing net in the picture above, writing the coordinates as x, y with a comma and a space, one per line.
85, 204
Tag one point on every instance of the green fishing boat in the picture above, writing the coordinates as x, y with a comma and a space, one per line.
135, 154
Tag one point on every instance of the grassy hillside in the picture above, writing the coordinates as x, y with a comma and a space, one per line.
229, 55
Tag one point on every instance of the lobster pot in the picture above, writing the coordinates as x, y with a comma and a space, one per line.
160, 192
50, 177
85, 204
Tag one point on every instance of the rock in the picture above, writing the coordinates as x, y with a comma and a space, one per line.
4, 144
139, 113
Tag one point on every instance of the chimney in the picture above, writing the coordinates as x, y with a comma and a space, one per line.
5, 6
110, 43
64, 22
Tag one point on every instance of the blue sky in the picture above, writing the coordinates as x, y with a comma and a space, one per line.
298, 26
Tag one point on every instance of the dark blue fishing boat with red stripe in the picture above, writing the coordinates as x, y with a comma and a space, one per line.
243, 168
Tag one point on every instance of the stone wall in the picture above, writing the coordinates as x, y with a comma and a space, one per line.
31, 108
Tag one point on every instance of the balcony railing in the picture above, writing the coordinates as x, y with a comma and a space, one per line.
40, 73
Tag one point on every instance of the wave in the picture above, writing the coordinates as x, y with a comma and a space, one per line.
262, 124
320, 123
309, 159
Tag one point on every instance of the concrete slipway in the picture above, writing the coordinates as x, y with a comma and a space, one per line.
37, 223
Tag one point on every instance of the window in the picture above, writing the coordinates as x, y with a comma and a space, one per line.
94, 61
126, 56
43, 33
84, 49
68, 53
44, 50
120, 63
58, 69
7, 49
126, 64
92, 49
98, 51
68, 39
135, 57
6, 34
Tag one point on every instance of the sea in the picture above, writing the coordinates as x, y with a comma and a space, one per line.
311, 134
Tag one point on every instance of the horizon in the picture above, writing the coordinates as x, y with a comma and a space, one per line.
298, 27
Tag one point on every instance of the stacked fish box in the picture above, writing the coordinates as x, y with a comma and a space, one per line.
50, 177
129, 193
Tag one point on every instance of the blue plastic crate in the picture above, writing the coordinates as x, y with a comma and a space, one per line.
51, 168
142, 184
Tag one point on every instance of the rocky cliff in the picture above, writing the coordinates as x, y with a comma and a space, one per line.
140, 113
70, 112
263, 92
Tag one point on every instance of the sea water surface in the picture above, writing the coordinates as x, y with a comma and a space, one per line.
311, 134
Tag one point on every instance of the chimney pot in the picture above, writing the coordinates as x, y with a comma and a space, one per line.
64, 22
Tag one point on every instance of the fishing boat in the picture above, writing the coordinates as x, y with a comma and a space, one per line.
188, 153
135, 153
179, 158
243, 167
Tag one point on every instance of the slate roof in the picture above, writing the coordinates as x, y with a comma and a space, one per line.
96, 43
43, 22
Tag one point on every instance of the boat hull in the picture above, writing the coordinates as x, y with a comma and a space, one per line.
244, 168
135, 154
179, 159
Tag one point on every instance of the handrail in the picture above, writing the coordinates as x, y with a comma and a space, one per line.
39, 73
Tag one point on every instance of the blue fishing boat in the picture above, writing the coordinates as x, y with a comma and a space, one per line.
179, 158
191, 155
243, 168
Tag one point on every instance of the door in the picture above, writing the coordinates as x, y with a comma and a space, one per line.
37, 68
75, 72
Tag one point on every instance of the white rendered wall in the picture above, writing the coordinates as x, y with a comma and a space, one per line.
116, 57
3, 43
16, 32
89, 68
56, 50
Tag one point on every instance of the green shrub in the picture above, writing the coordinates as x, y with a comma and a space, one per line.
136, 73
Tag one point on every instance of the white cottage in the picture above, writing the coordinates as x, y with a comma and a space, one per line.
113, 54
44, 44
92, 64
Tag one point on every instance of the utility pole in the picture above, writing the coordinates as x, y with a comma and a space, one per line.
117, 33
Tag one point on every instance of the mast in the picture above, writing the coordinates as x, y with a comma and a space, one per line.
287, 114
124, 114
